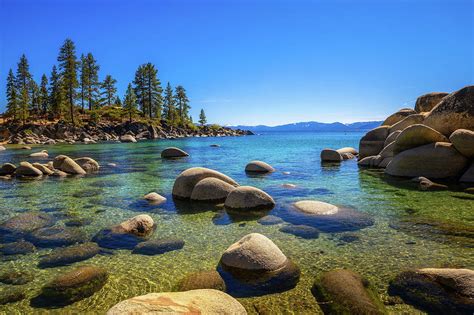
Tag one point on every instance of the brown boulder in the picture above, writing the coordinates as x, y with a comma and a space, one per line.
373, 141
415, 136
66, 164
463, 141
172, 152
211, 189
427, 102
407, 121
468, 176
396, 117
26, 169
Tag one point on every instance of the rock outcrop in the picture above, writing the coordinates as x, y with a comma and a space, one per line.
427, 102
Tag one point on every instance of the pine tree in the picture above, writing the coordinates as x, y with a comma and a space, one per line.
202, 117
35, 98
148, 90
43, 95
23, 78
130, 102
118, 101
56, 96
12, 96
68, 68
109, 90
182, 103
90, 84
169, 108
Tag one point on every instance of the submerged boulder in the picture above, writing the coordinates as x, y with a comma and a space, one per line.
88, 164
154, 198
427, 102
343, 291
436, 290
159, 246
455, 111
463, 141
68, 165
128, 139
16, 277
396, 117
434, 160
69, 255
373, 141
12, 295
56, 236
211, 189
27, 169
330, 155
173, 152
41, 154
184, 184
303, 231
258, 167
202, 280
415, 136
7, 169
74, 285
22, 224
17, 248
204, 301
427, 185
249, 198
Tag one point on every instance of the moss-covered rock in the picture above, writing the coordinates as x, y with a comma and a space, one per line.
11, 295
69, 255
16, 277
303, 231
22, 224
343, 291
202, 280
17, 248
159, 246
74, 285
57, 236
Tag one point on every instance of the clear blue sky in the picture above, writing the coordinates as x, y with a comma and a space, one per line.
259, 62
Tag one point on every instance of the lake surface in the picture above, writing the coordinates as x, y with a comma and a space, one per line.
411, 228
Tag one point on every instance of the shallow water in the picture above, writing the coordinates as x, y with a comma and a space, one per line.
443, 235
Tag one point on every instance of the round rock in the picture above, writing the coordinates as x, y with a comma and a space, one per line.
88, 164
159, 246
211, 189
56, 236
415, 136
69, 255
259, 167
202, 280
27, 169
7, 169
66, 164
154, 198
316, 207
330, 155
173, 152
427, 102
463, 141
249, 198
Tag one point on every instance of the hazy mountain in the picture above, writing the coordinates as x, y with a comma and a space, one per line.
314, 126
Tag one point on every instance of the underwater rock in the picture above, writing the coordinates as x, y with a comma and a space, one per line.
463, 141
66, 164
73, 286
426, 185
326, 217
202, 280
249, 198
258, 167
155, 198
12, 295
17, 248
185, 182
172, 153
270, 220
77, 222
303, 231
88, 164
7, 169
204, 301
22, 224
69, 255
211, 189
87, 193
427, 102
436, 290
16, 278
455, 111
343, 291
56, 236
434, 160
159, 246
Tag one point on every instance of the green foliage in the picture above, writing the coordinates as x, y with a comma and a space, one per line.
182, 103
68, 71
169, 107
202, 118
23, 85
130, 102
148, 90
56, 96
214, 127
90, 86
12, 96
43, 95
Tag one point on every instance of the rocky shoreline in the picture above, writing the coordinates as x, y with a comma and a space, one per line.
62, 132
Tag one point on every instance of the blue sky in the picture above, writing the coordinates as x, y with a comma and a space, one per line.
259, 62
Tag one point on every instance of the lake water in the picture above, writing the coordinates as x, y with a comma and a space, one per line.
411, 228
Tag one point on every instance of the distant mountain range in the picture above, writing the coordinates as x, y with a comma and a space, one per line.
314, 126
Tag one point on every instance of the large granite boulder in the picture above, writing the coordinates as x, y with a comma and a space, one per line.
211, 189
468, 176
173, 152
184, 184
68, 165
88, 164
204, 301
22, 224
7, 169
330, 155
154, 198
343, 291
202, 280
391, 137
396, 117
415, 136
259, 167
249, 198
434, 160
436, 290
463, 141
407, 121
373, 141
128, 139
43, 168
455, 111
56, 236
40, 154
427, 102
28, 170
74, 285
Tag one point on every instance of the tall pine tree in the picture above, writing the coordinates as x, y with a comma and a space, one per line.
56, 95
182, 104
148, 90
23, 85
108, 90
130, 102
12, 96
169, 108
90, 85
202, 117
43, 95
68, 69
35, 98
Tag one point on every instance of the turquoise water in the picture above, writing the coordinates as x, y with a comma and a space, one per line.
411, 228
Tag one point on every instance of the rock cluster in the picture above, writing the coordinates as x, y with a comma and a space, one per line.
436, 140
105, 131
330, 155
